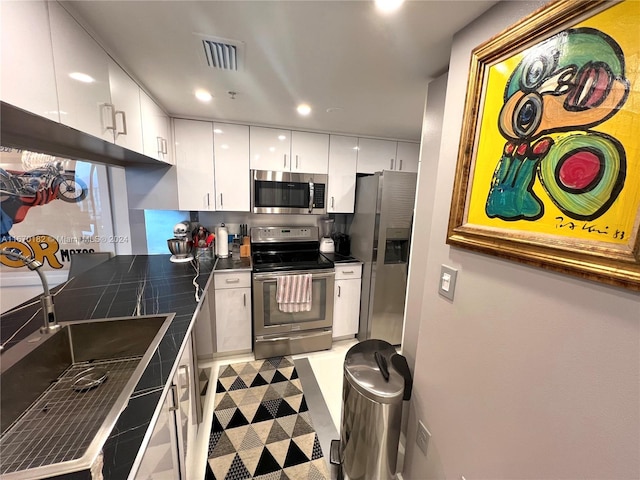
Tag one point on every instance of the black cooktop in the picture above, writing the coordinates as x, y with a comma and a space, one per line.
288, 260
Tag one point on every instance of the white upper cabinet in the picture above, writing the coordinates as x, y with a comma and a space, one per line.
309, 152
407, 156
155, 130
82, 76
27, 74
343, 156
232, 179
270, 149
194, 164
125, 96
287, 151
376, 155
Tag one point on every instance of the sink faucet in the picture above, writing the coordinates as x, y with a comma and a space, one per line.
50, 322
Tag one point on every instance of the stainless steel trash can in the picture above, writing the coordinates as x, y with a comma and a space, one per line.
376, 382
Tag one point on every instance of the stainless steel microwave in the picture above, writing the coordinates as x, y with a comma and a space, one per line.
288, 192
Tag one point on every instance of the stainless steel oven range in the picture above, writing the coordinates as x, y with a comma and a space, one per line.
287, 265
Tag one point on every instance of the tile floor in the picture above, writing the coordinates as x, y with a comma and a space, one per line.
327, 368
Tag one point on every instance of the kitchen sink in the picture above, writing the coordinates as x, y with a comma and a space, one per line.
62, 392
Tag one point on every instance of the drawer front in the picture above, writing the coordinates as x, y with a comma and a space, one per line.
232, 280
351, 270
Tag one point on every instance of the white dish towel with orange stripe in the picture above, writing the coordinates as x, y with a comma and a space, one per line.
293, 293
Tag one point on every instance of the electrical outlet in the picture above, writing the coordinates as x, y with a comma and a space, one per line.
422, 437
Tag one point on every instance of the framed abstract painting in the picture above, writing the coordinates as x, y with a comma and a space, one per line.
548, 168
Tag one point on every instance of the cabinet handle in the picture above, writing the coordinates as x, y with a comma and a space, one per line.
221, 202
232, 280
172, 392
285, 160
338, 290
244, 299
159, 144
348, 272
112, 110
400, 164
123, 115
208, 203
296, 162
164, 146
392, 161
185, 369
332, 202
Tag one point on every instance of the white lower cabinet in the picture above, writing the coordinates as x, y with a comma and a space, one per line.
169, 453
233, 311
346, 307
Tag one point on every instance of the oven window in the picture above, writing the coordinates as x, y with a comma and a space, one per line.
281, 194
273, 316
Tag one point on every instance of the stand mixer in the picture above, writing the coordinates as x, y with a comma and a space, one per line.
181, 245
326, 229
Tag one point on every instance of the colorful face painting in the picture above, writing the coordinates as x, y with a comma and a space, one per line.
556, 151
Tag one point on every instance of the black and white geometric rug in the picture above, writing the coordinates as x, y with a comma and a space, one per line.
262, 428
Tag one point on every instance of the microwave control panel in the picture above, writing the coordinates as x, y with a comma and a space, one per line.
318, 195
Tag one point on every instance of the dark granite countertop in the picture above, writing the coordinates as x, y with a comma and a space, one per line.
233, 263
126, 285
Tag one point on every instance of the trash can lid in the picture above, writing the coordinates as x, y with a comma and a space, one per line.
370, 368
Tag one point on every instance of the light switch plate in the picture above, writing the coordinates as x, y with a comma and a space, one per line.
447, 282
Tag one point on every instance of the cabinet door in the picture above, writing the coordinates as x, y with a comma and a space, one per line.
161, 458
407, 157
376, 155
186, 415
155, 130
232, 178
233, 319
270, 149
343, 157
194, 164
125, 96
27, 75
309, 152
82, 76
346, 309
205, 327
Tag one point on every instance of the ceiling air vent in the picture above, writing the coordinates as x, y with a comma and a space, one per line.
221, 53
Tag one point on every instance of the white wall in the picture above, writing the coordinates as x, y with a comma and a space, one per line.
527, 373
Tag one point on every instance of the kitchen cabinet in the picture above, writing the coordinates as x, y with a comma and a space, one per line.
309, 152
205, 328
194, 164
27, 73
343, 157
155, 130
125, 97
375, 155
169, 452
346, 307
233, 311
407, 157
231, 160
287, 151
82, 76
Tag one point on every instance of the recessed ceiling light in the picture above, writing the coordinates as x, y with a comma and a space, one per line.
304, 109
82, 77
203, 96
282, 137
217, 130
388, 6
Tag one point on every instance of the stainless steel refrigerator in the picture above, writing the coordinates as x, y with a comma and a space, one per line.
380, 238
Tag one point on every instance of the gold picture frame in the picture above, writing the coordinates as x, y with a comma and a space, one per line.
548, 169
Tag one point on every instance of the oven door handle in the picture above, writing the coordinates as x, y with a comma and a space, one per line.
266, 338
271, 276
311, 189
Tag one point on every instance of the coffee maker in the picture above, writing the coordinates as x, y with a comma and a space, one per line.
325, 225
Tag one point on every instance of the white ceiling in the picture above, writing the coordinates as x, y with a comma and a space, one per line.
363, 73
